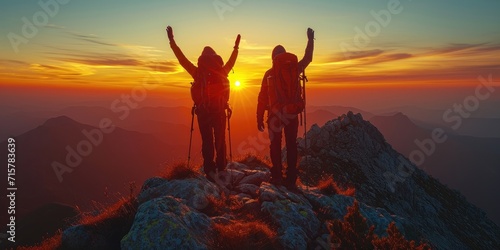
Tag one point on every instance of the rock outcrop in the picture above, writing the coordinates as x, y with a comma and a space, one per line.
355, 153
182, 213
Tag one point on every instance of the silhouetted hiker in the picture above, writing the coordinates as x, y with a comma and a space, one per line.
210, 93
280, 95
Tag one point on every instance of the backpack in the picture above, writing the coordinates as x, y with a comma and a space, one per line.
285, 91
210, 89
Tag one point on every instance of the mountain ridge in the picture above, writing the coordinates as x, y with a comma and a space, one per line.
451, 161
88, 178
182, 208
387, 176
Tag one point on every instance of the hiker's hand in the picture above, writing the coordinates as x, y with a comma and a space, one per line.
170, 33
310, 34
237, 42
260, 126
229, 111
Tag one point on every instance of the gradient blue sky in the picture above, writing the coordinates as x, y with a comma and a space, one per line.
113, 43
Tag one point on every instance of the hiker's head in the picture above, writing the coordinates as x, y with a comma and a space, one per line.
278, 50
208, 51
209, 59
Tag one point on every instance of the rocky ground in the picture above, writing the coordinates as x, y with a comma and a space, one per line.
183, 210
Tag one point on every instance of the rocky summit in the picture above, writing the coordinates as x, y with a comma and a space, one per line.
355, 152
186, 211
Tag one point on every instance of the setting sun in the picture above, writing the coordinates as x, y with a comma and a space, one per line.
237, 84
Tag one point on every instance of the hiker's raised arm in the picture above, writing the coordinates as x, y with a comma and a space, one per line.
232, 60
185, 63
308, 56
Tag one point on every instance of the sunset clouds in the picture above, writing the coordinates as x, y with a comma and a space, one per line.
119, 43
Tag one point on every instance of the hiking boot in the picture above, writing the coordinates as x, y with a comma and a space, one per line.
276, 181
294, 189
292, 186
210, 177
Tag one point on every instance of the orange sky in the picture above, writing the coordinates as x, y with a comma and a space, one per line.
122, 45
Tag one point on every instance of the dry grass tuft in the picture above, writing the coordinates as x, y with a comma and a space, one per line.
355, 233
51, 243
118, 216
243, 235
125, 207
255, 162
329, 186
179, 172
221, 205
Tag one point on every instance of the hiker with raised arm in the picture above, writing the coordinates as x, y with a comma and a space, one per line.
210, 93
281, 95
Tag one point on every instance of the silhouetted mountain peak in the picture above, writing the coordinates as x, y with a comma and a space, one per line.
61, 121
356, 154
398, 117
397, 121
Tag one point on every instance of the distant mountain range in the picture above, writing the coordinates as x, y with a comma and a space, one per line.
162, 134
84, 163
468, 164
483, 122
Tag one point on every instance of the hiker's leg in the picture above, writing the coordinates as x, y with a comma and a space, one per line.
274, 126
291, 130
207, 142
220, 140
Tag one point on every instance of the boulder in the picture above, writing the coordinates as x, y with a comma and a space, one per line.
257, 178
84, 237
296, 221
249, 189
166, 223
194, 192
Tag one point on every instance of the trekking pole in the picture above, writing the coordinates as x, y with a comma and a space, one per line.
304, 80
229, 114
191, 133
